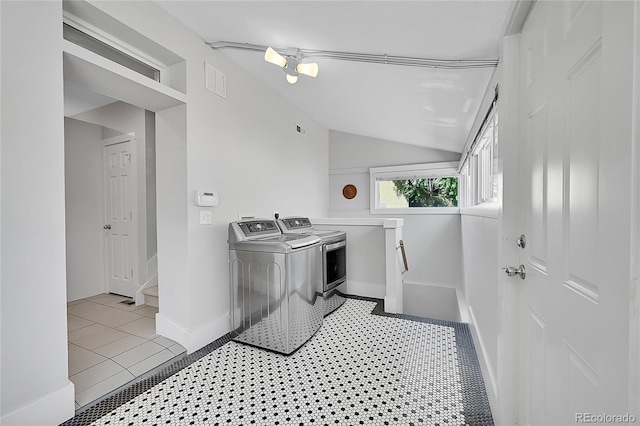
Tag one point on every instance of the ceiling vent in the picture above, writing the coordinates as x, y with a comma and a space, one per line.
215, 81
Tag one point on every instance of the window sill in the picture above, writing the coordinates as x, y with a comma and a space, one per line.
418, 210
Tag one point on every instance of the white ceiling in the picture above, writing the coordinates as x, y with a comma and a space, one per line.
420, 106
78, 99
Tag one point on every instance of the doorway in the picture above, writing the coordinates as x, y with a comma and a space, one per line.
109, 169
121, 259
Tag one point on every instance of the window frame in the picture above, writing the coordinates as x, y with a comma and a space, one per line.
411, 171
479, 172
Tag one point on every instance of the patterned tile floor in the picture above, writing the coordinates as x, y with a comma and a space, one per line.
363, 367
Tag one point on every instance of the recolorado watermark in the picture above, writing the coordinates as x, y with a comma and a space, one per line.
605, 418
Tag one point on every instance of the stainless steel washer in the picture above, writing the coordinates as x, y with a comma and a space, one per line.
334, 257
276, 285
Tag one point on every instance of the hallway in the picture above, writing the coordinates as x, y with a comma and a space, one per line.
362, 367
111, 343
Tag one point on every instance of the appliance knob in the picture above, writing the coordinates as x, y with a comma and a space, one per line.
258, 227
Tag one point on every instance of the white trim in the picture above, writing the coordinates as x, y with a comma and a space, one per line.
134, 255
393, 271
194, 339
634, 303
488, 374
53, 409
463, 308
507, 368
432, 169
358, 288
518, 14
418, 210
487, 100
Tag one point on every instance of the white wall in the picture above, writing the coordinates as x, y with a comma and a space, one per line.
432, 241
1, 63
349, 150
35, 387
480, 260
84, 202
245, 147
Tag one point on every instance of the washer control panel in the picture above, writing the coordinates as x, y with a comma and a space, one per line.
292, 223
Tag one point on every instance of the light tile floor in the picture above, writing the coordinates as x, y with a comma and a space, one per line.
111, 343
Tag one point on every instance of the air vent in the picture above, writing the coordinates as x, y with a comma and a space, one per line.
76, 36
215, 81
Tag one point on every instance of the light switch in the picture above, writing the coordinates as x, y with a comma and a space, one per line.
206, 218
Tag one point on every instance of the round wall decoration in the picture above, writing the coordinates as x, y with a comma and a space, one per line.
349, 191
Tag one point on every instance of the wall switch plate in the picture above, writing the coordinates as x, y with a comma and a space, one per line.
206, 218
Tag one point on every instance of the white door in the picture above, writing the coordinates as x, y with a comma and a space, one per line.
575, 124
120, 214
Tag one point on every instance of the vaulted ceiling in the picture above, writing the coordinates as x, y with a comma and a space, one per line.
429, 107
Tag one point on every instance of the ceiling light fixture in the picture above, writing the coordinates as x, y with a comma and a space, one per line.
291, 63
385, 59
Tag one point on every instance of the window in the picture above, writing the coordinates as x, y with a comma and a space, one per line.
105, 50
418, 188
479, 175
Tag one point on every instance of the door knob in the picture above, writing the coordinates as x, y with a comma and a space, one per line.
511, 271
107, 227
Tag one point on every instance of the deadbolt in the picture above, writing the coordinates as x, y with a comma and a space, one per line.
107, 227
521, 241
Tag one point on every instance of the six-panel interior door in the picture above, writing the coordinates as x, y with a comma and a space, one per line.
120, 214
573, 339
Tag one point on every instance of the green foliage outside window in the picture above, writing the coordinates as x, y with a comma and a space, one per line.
428, 192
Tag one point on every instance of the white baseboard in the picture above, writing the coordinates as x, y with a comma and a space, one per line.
390, 305
356, 288
53, 409
194, 339
490, 380
463, 309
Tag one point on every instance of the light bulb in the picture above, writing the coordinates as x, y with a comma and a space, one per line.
292, 78
308, 69
274, 57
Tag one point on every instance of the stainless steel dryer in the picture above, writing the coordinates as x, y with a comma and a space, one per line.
334, 257
276, 285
